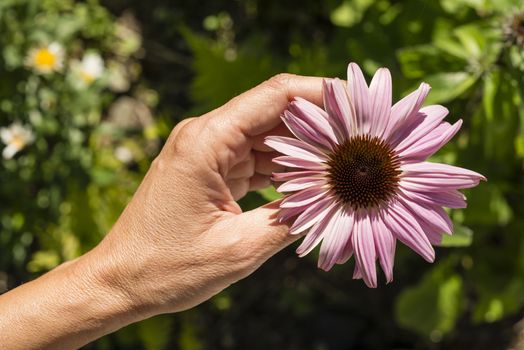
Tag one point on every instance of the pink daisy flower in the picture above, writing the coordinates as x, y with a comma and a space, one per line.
361, 180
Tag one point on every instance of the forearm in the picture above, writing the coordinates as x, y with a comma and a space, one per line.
64, 309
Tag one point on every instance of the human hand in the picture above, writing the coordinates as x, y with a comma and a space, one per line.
183, 238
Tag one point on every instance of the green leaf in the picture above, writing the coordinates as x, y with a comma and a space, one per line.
433, 305
270, 194
491, 84
448, 86
462, 237
417, 61
472, 40
349, 13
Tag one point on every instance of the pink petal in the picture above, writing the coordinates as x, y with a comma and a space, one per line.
315, 116
423, 169
286, 214
336, 102
313, 214
406, 228
449, 198
431, 117
434, 235
380, 101
404, 110
301, 184
432, 142
335, 241
385, 245
306, 132
304, 197
294, 162
365, 253
295, 148
357, 273
291, 175
347, 252
359, 97
317, 232
427, 215
436, 183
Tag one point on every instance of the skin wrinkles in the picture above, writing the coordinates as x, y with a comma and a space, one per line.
180, 240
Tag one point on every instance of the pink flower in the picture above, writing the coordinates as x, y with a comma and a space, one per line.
360, 178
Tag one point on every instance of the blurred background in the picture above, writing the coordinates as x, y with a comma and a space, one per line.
89, 91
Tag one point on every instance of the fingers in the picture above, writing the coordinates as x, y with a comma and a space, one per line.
264, 163
244, 169
258, 110
261, 228
252, 174
258, 141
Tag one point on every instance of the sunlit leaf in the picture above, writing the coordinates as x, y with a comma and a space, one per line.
434, 304
447, 86
462, 237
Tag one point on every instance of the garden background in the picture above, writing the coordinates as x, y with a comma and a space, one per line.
93, 125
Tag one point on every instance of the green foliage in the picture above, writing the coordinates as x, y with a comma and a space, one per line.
433, 305
93, 141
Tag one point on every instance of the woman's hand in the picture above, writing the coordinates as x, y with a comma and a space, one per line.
182, 238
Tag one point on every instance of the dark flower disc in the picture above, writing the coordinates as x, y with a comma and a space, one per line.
364, 171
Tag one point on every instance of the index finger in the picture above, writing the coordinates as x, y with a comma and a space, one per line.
258, 110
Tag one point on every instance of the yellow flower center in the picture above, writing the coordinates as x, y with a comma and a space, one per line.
44, 58
18, 141
86, 77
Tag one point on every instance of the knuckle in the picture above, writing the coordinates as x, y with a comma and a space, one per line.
281, 81
184, 136
183, 128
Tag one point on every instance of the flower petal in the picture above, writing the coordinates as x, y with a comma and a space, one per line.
406, 228
385, 245
306, 132
315, 116
313, 214
317, 232
301, 184
295, 148
427, 215
365, 253
380, 101
424, 169
432, 142
294, 162
437, 183
431, 117
335, 241
359, 97
404, 110
9, 151
304, 197
336, 102
450, 198
291, 175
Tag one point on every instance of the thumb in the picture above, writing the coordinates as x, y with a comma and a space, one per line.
263, 230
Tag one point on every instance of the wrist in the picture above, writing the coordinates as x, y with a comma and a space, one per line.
68, 307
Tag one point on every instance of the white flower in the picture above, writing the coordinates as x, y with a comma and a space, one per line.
46, 59
15, 137
90, 68
124, 154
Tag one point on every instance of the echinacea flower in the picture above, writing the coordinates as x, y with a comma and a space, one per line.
90, 68
15, 137
360, 178
46, 59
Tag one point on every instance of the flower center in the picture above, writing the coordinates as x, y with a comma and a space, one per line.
364, 171
45, 58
